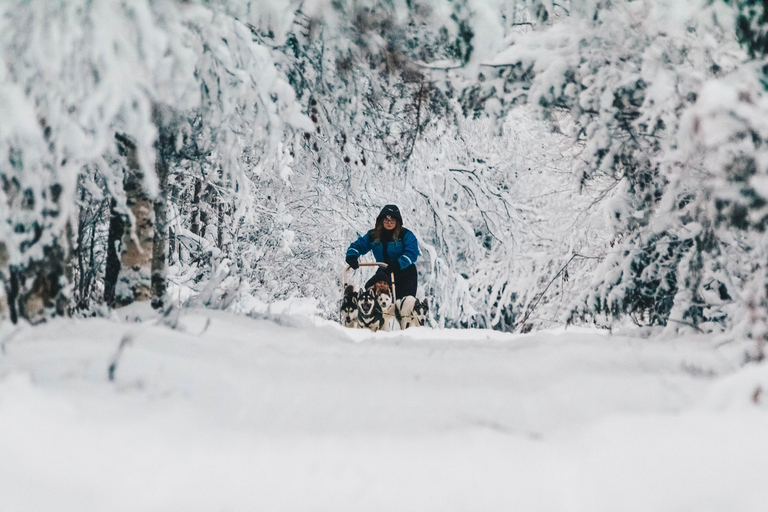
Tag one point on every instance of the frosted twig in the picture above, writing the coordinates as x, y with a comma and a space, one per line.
530, 310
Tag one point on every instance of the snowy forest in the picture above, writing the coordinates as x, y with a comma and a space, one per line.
585, 183
569, 162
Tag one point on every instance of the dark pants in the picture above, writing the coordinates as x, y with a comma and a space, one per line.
406, 280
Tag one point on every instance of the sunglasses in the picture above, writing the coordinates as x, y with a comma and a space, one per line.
389, 217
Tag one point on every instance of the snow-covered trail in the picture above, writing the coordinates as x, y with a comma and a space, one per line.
228, 413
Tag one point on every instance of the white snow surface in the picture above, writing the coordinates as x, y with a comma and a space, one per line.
294, 413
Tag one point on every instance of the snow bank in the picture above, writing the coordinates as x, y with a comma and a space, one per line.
227, 412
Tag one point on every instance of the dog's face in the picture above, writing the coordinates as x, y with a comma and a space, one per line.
349, 311
420, 311
384, 299
366, 301
349, 317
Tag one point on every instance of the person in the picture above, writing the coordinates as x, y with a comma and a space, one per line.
392, 244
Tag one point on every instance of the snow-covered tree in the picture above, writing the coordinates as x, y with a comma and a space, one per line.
77, 75
623, 75
72, 75
223, 149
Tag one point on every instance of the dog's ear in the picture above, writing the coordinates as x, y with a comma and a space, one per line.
424, 303
349, 290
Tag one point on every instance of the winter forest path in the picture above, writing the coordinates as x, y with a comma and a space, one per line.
231, 413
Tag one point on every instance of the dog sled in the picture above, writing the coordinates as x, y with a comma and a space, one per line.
376, 308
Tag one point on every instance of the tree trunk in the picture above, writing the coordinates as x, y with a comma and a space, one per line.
134, 279
82, 265
220, 233
194, 226
4, 279
117, 223
84, 258
173, 240
165, 145
12, 293
159, 243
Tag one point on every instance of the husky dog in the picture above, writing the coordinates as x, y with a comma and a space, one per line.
420, 312
348, 312
410, 311
368, 311
387, 304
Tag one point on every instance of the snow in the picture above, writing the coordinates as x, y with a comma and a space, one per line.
232, 413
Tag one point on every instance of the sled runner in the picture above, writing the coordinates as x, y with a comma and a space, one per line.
378, 308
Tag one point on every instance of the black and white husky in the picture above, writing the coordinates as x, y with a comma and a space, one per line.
411, 311
368, 311
420, 312
348, 312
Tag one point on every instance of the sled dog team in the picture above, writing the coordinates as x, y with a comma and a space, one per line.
375, 309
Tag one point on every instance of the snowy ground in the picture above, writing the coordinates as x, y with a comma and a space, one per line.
228, 413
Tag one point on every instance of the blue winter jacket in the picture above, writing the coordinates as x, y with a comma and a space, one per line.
405, 250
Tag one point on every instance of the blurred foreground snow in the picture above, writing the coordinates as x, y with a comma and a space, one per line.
231, 413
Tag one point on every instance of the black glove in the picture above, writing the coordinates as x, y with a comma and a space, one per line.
352, 262
393, 267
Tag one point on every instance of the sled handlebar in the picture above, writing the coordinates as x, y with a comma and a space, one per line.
377, 264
